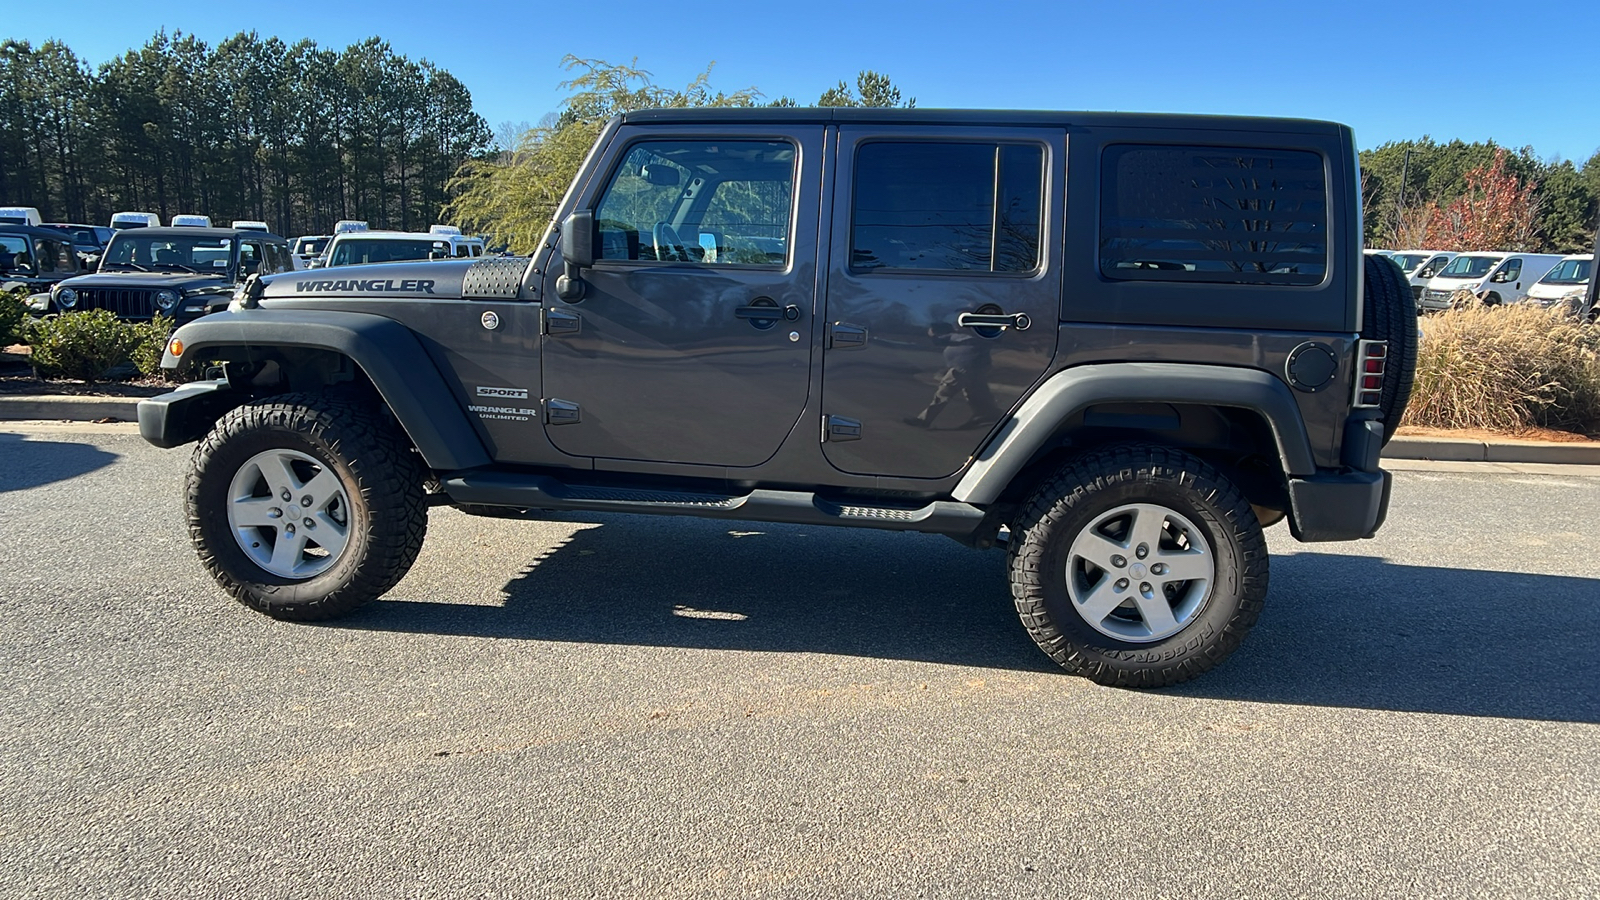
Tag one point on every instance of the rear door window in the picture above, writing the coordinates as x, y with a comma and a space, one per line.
960, 207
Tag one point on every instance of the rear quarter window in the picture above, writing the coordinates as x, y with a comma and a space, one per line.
1231, 215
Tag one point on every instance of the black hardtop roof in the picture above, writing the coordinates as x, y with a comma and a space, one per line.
36, 233
992, 117
190, 230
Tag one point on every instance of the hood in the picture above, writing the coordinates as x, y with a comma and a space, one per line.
180, 281
1542, 291
440, 278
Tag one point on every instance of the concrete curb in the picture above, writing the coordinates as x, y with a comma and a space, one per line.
1507, 451
73, 408
125, 409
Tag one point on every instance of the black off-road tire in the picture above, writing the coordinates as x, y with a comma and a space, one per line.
1104, 480
377, 469
1389, 313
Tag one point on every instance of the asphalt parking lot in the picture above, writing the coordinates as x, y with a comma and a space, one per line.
612, 707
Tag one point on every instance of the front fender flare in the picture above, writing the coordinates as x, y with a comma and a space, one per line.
1072, 390
388, 352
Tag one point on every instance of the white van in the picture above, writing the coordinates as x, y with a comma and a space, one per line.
190, 222
1427, 264
19, 215
1496, 277
360, 247
123, 220
1566, 283
250, 225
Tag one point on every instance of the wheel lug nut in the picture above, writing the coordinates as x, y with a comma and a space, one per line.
1143, 551
287, 496
1145, 588
306, 500
1122, 584
274, 513
310, 524
1119, 561
1159, 569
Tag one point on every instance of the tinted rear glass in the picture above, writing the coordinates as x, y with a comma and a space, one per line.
1218, 214
956, 207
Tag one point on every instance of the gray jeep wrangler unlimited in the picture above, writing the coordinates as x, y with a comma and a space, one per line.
1118, 345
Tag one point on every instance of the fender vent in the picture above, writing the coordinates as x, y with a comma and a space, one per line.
494, 279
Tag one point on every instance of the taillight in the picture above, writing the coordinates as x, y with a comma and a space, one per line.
1371, 358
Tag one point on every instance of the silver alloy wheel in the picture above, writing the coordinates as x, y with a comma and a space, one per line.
1140, 573
289, 513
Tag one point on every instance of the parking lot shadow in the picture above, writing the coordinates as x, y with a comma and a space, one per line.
1359, 631
1344, 631
26, 464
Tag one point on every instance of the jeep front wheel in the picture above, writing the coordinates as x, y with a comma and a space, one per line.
304, 507
1138, 566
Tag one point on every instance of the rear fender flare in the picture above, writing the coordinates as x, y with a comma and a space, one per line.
1069, 392
386, 351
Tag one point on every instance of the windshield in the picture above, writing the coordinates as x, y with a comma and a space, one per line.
1409, 261
170, 254
1470, 266
351, 253
1570, 271
310, 246
83, 236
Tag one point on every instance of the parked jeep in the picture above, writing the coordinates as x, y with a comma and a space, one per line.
1120, 346
34, 259
181, 272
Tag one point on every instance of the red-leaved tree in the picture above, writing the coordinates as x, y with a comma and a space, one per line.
1498, 212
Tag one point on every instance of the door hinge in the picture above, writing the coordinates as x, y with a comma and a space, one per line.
836, 429
843, 336
560, 412
559, 322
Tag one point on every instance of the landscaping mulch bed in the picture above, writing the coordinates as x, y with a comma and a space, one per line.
16, 378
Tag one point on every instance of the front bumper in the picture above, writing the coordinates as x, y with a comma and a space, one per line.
186, 414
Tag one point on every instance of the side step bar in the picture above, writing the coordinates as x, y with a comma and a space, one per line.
518, 491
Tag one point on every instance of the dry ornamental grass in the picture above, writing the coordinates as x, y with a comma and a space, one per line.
1506, 369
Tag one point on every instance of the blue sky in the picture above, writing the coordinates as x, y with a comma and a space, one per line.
1392, 70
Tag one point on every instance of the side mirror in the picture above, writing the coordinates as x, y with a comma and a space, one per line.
577, 239
577, 249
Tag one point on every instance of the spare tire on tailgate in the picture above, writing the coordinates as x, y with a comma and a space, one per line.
1389, 313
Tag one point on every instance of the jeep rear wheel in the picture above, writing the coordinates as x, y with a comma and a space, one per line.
1138, 566
306, 508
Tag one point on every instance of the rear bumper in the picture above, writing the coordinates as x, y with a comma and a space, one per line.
186, 414
1338, 506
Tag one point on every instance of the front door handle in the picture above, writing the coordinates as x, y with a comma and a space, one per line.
1019, 321
763, 312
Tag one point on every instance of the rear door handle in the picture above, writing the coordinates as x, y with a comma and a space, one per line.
1019, 321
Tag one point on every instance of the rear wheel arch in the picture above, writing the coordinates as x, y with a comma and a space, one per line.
1236, 441
1234, 418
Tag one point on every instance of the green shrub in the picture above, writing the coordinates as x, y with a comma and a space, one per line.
13, 310
1507, 368
152, 343
84, 345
